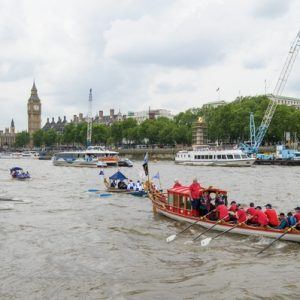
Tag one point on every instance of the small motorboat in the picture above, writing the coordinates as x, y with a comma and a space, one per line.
19, 173
117, 184
176, 205
125, 162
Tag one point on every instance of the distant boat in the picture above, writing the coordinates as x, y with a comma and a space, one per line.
86, 158
210, 157
10, 155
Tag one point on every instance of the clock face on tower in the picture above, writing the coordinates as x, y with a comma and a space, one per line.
35, 107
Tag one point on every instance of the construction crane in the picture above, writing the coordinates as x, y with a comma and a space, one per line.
89, 121
282, 80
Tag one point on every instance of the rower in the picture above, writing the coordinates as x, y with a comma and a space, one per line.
291, 219
259, 217
271, 215
233, 206
283, 221
297, 216
251, 209
241, 214
222, 211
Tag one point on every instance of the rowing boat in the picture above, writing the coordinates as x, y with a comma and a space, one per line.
176, 205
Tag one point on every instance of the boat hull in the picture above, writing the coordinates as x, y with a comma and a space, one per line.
236, 163
161, 208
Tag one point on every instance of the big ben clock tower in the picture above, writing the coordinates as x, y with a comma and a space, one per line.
34, 110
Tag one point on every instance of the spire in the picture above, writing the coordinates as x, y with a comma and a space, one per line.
34, 95
12, 124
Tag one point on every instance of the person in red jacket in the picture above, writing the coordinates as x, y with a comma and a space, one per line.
233, 206
297, 216
259, 217
272, 216
195, 193
241, 214
222, 212
251, 210
176, 184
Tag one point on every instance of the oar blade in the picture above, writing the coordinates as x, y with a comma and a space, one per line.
171, 238
205, 242
104, 195
93, 190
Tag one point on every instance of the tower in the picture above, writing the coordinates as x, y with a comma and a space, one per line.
12, 126
34, 110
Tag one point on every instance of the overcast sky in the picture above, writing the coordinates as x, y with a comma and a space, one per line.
170, 54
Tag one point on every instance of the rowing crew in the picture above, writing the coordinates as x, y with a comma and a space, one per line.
236, 213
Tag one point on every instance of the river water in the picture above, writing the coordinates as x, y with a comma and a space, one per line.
66, 243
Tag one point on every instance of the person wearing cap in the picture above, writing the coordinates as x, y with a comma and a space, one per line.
176, 183
259, 217
195, 193
283, 221
271, 215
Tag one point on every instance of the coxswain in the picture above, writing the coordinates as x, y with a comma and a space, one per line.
233, 206
176, 183
259, 217
241, 214
271, 215
283, 221
195, 193
222, 212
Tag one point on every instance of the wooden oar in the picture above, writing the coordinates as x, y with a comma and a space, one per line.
205, 231
277, 239
206, 241
173, 236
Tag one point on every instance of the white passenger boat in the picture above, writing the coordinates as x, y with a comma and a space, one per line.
10, 155
30, 154
210, 157
86, 158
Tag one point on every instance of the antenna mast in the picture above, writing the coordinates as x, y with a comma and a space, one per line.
89, 121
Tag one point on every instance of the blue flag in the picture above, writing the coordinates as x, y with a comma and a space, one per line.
156, 176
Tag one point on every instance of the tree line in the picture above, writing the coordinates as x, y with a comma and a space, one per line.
227, 124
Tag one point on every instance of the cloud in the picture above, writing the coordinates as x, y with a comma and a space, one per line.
272, 8
136, 53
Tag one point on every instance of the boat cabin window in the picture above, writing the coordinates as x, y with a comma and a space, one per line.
237, 156
188, 204
181, 201
219, 156
229, 156
170, 199
205, 156
223, 156
175, 200
210, 156
244, 156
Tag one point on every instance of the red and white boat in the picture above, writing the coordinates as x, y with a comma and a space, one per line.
176, 204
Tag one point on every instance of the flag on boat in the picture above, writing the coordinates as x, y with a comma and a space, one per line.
145, 164
156, 176
218, 89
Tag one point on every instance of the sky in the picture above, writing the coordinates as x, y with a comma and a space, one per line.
170, 54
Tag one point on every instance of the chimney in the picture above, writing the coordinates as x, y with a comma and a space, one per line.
80, 117
111, 112
74, 118
48, 121
101, 114
59, 120
53, 122
65, 119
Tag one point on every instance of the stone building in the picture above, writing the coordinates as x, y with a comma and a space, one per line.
199, 133
8, 136
108, 119
59, 125
34, 111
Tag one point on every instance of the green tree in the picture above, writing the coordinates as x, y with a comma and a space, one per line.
38, 138
50, 137
22, 139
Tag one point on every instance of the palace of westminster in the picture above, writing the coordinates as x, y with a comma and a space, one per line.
34, 114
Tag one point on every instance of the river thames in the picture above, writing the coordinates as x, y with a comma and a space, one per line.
65, 243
